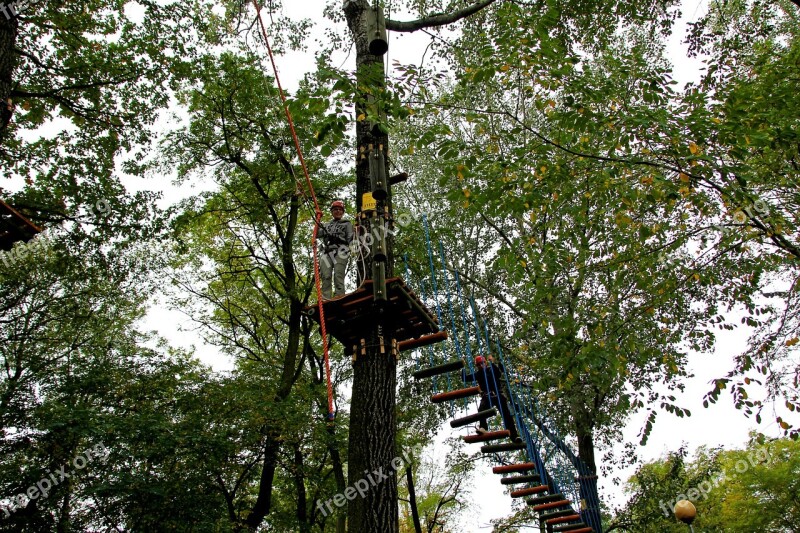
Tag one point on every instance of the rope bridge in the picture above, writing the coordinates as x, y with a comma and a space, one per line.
538, 465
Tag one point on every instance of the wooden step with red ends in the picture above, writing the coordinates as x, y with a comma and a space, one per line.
455, 394
559, 517
475, 417
505, 447
513, 480
547, 498
519, 467
527, 492
425, 340
483, 437
571, 528
552, 505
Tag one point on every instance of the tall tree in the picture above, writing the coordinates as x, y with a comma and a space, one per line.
243, 258
88, 83
537, 145
372, 419
90, 434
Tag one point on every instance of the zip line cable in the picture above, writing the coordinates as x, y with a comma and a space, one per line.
317, 213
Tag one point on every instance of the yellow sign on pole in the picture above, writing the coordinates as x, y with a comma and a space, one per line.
367, 202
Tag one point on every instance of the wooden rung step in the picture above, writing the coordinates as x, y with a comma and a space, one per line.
559, 517
508, 447
581, 530
424, 341
398, 178
552, 505
519, 467
481, 415
440, 369
490, 435
455, 394
527, 492
513, 480
570, 527
547, 498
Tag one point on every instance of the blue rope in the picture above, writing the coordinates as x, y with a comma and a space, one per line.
417, 364
449, 302
433, 278
477, 326
561, 472
449, 310
486, 335
461, 312
464, 323
433, 270
430, 348
508, 372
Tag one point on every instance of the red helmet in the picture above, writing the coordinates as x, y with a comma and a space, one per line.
479, 360
337, 203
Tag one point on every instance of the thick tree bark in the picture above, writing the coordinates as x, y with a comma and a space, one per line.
587, 475
372, 445
8, 36
373, 423
300, 489
412, 499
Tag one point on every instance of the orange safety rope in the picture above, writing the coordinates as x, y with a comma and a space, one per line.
317, 211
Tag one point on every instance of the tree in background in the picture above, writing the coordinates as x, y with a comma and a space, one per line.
615, 247
244, 261
88, 83
84, 393
734, 490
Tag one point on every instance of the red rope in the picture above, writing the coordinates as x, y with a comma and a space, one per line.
317, 212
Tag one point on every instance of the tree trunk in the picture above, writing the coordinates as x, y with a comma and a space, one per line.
373, 423
64, 512
372, 445
587, 477
338, 474
8, 36
412, 499
300, 488
288, 375
264, 500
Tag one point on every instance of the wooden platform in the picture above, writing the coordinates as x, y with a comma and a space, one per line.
14, 227
349, 317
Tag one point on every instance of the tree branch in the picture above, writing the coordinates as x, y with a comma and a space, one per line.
438, 19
